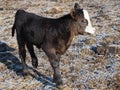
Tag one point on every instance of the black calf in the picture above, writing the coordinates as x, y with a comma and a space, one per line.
54, 36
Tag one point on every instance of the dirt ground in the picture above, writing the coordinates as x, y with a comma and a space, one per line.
91, 63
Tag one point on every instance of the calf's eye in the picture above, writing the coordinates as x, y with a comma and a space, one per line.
84, 21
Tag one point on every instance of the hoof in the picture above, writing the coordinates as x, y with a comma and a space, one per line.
58, 82
35, 63
25, 72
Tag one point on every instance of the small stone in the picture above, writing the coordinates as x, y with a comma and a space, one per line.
114, 49
54, 10
1, 9
67, 88
61, 87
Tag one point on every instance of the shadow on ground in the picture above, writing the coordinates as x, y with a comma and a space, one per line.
14, 64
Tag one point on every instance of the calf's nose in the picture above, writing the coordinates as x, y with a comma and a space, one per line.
90, 30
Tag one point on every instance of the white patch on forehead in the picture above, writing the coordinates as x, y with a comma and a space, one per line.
89, 28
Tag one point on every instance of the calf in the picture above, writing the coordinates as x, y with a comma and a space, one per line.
54, 36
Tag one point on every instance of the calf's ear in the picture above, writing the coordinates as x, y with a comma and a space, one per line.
76, 6
73, 14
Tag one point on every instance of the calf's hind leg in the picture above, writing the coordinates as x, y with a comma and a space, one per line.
32, 54
22, 54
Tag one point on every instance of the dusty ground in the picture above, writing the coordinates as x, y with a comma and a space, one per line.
91, 62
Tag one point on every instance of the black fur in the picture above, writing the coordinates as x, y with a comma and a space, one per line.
54, 36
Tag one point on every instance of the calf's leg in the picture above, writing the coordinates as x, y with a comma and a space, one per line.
32, 54
54, 61
22, 54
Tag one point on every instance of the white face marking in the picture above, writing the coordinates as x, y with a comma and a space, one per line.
89, 28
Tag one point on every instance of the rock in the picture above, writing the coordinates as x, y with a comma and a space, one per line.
114, 49
94, 48
48, 87
101, 49
54, 10
64, 88
106, 49
1, 9
67, 88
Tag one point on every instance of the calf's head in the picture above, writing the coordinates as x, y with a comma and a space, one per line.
83, 23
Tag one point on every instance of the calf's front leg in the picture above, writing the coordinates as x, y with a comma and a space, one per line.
56, 76
54, 61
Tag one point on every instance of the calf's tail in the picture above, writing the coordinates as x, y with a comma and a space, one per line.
13, 30
18, 15
14, 25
